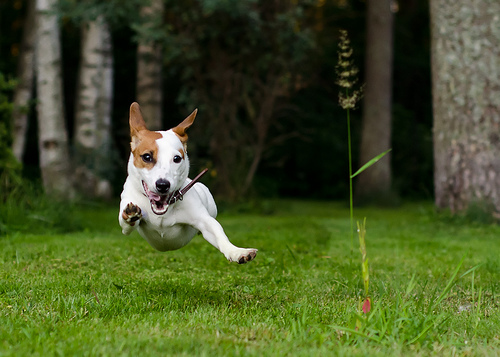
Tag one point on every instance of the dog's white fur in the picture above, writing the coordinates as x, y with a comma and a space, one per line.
183, 219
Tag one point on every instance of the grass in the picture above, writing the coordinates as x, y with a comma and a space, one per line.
95, 292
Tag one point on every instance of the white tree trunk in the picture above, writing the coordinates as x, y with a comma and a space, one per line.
149, 69
25, 74
465, 52
52, 134
93, 110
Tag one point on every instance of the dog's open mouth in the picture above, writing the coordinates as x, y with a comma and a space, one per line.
159, 203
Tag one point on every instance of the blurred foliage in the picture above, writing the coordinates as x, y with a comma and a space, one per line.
23, 206
117, 13
10, 168
253, 39
239, 63
28, 209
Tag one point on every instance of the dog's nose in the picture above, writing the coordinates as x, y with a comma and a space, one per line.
162, 186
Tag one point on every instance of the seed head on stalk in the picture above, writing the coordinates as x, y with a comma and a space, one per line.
347, 74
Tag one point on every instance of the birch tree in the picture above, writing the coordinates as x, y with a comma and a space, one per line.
465, 51
25, 75
149, 66
92, 139
52, 133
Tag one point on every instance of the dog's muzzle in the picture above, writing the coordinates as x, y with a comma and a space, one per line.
159, 202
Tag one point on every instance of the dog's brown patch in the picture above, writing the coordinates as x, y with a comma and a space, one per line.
145, 143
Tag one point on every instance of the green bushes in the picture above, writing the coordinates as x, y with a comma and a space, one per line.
10, 168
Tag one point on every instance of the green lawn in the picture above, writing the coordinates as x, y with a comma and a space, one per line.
97, 293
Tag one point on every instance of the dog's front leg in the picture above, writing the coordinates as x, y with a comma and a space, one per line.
213, 232
130, 218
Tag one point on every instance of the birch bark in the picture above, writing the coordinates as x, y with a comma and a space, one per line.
52, 133
93, 111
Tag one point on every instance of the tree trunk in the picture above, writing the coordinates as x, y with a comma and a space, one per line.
374, 184
149, 68
25, 74
52, 134
466, 102
93, 111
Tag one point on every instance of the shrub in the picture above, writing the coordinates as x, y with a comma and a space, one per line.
23, 205
10, 168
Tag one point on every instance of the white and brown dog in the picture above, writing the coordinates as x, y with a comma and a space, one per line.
153, 200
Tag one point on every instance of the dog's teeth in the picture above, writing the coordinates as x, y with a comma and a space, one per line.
158, 208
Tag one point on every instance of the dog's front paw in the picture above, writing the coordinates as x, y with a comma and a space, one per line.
243, 255
131, 214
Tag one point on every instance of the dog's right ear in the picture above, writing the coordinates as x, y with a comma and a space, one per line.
137, 124
136, 120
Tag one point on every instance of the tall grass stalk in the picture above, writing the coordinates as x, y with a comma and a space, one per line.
351, 203
348, 97
347, 78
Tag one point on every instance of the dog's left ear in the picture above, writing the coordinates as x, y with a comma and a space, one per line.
180, 130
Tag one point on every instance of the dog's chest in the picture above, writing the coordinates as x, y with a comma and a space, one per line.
163, 234
161, 223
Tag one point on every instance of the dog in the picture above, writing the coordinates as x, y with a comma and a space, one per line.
160, 201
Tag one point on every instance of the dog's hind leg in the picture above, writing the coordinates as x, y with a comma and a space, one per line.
213, 232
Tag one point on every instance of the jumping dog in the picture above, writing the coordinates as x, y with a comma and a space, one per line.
158, 198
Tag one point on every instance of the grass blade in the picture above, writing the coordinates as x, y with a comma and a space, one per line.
354, 332
470, 270
449, 285
370, 163
291, 253
411, 286
424, 331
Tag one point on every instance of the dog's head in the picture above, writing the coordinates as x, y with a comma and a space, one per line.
159, 158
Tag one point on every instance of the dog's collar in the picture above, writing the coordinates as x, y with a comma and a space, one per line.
179, 194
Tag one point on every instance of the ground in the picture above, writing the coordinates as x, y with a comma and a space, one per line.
433, 282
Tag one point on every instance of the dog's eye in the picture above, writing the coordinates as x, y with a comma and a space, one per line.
177, 159
147, 157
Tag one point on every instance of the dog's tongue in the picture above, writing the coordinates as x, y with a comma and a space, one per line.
154, 196
158, 202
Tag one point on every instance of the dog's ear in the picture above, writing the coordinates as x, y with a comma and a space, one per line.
137, 124
136, 120
180, 130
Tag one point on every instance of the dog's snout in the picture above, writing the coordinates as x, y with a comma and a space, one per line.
162, 186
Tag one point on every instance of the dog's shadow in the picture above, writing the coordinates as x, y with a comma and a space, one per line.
175, 294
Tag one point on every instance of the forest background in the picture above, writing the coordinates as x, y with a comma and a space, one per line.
263, 76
